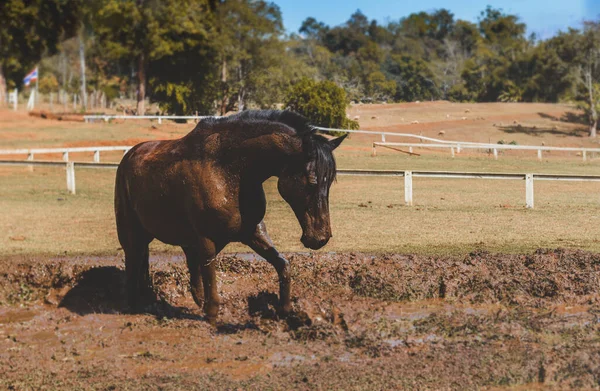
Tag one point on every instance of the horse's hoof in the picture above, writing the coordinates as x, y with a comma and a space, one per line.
212, 320
284, 311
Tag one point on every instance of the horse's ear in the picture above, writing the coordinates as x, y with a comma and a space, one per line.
337, 141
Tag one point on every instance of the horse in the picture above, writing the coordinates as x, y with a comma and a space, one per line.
205, 190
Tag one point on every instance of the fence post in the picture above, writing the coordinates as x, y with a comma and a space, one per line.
374, 153
16, 99
159, 120
408, 188
71, 177
495, 153
458, 148
452, 151
539, 154
529, 190
383, 137
65, 156
96, 156
30, 158
584, 155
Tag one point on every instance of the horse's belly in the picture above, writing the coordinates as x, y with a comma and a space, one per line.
179, 203
177, 224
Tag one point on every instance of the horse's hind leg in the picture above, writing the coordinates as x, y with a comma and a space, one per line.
192, 256
203, 274
134, 241
139, 285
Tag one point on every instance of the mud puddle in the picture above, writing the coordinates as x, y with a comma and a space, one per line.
359, 321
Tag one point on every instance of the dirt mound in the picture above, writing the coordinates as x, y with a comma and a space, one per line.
387, 321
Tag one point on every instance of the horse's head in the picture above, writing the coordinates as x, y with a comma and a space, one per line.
305, 183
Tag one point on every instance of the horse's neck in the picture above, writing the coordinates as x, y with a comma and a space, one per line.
265, 156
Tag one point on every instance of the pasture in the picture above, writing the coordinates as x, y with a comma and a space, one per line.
467, 287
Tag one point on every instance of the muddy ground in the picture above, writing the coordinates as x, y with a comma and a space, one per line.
360, 322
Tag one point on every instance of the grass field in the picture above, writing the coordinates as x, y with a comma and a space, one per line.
368, 215
449, 216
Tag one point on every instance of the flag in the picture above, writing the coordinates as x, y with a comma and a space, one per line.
31, 76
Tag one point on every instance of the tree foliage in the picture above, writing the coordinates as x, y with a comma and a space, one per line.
218, 56
324, 103
30, 29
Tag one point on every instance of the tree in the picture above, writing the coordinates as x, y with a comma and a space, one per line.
30, 29
323, 103
413, 78
588, 60
250, 52
139, 32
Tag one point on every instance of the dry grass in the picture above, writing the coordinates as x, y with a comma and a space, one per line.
450, 216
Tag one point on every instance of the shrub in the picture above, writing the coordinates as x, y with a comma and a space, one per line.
323, 103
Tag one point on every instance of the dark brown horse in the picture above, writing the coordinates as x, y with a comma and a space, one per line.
204, 190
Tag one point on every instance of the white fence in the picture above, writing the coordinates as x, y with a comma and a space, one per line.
106, 118
456, 147
64, 151
427, 142
160, 118
13, 97
408, 176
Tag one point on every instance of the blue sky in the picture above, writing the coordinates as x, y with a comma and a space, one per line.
544, 17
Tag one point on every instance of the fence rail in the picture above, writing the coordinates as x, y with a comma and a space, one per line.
408, 176
106, 118
427, 142
457, 146
64, 151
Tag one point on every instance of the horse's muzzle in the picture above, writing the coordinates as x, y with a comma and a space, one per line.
314, 243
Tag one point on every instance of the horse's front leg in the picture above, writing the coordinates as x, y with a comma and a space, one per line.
261, 243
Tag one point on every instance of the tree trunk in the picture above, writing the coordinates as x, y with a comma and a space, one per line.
225, 91
242, 91
3, 97
242, 99
84, 102
593, 113
141, 95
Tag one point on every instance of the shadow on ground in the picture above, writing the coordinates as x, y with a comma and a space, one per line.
538, 131
102, 290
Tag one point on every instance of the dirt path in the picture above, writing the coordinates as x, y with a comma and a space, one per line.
360, 321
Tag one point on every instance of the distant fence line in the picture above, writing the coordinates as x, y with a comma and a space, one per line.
456, 147
64, 151
407, 174
160, 118
95, 100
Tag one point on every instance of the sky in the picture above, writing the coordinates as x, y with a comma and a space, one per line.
543, 17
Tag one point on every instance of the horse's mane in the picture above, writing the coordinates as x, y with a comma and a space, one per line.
316, 146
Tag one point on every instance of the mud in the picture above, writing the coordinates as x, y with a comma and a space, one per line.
360, 322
